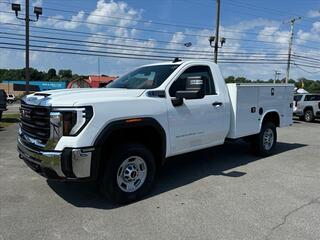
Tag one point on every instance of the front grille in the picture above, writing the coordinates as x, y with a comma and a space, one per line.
35, 122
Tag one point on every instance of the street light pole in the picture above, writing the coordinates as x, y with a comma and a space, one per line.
216, 45
276, 75
38, 11
27, 70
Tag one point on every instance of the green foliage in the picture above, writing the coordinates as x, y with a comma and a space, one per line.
52, 73
65, 73
35, 75
309, 85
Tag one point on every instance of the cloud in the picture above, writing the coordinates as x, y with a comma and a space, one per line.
314, 13
113, 13
37, 3
7, 17
58, 21
274, 35
312, 35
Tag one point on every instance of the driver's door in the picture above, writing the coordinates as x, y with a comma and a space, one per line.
195, 123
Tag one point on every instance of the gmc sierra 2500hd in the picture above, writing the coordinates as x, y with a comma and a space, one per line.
120, 135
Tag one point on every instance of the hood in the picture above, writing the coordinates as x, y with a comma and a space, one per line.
70, 97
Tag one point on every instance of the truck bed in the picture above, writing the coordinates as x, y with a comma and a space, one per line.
250, 102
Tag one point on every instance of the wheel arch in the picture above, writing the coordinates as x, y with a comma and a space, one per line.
145, 129
271, 116
308, 108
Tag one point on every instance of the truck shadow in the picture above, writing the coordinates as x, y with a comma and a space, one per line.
178, 171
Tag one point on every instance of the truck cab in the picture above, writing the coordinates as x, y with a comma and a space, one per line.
119, 136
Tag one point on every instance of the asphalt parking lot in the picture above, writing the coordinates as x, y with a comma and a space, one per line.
12, 108
219, 193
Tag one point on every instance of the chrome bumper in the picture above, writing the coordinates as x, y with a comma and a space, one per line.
67, 164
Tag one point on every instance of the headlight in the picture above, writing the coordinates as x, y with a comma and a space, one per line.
69, 121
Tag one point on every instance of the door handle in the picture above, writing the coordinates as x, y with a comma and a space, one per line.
217, 104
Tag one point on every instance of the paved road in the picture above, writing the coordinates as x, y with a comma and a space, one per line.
12, 108
220, 193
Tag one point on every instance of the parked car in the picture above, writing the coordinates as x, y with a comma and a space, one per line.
3, 102
120, 135
11, 98
307, 106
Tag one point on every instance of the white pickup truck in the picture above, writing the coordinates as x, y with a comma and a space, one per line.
120, 135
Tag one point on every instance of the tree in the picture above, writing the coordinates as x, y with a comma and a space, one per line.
65, 74
230, 79
52, 74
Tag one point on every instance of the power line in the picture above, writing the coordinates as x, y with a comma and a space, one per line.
133, 48
125, 57
306, 65
106, 36
119, 26
151, 30
115, 54
299, 56
302, 69
108, 44
146, 21
98, 35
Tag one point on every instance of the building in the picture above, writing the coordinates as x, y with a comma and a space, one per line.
18, 87
92, 82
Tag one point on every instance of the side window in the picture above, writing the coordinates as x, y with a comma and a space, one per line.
196, 71
311, 98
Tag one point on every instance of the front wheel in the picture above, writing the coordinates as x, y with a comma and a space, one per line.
129, 174
264, 142
308, 116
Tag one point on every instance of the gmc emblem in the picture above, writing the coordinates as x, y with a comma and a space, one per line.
26, 113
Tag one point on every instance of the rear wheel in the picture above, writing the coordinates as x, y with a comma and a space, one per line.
0, 115
264, 142
129, 173
308, 116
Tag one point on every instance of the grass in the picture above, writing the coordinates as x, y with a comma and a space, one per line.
9, 119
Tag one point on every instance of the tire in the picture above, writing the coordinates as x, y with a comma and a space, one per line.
264, 142
0, 115
122, 180
308, 116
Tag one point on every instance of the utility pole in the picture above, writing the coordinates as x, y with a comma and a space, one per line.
292, 21
276, 76
38, 11
216, 44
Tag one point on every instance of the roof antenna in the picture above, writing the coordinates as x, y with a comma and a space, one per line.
177, 60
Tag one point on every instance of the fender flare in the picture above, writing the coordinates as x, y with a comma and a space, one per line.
126, 123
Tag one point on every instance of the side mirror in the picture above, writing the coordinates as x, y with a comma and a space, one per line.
194, 89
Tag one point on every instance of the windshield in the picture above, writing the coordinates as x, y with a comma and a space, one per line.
297, 98
145, 77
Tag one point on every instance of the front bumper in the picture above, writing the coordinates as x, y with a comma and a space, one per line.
69, 164
297, 112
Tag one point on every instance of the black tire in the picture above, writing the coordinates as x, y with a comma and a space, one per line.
260, 145
0, 115
308, 116
109, 186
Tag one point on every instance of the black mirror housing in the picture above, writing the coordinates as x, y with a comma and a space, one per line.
194, 89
